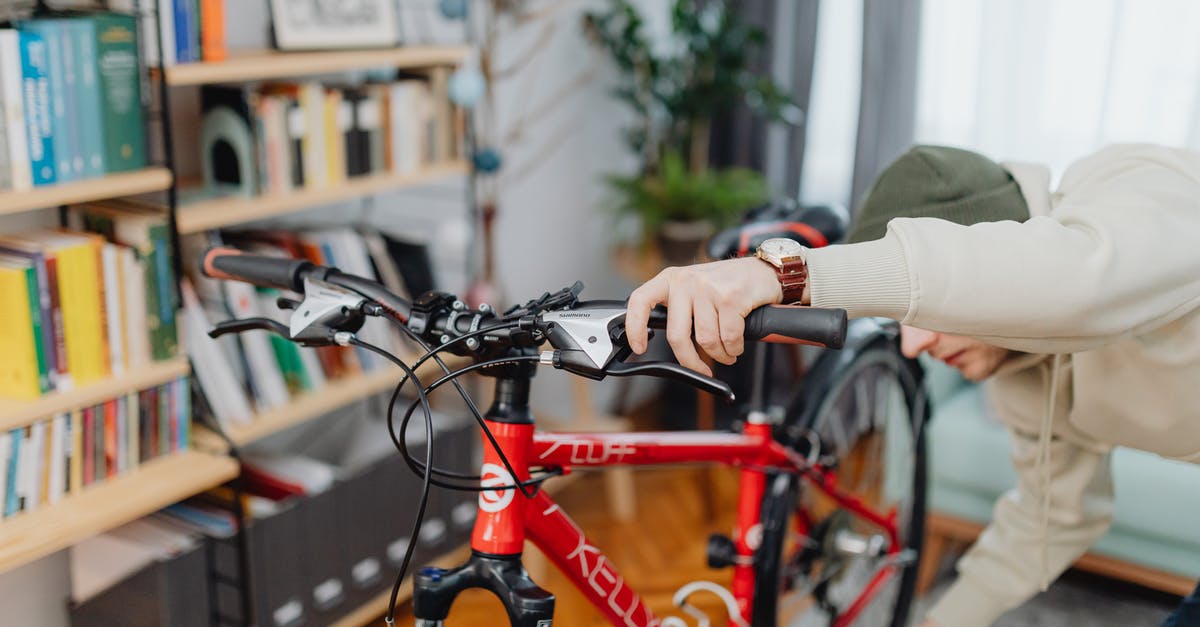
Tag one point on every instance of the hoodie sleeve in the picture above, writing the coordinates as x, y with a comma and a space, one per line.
1005, 566
1116, 257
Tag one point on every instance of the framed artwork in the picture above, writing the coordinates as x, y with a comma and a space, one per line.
328, 24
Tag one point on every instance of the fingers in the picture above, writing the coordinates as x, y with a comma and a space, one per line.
679, 330
709, 335
637, 314
733, 328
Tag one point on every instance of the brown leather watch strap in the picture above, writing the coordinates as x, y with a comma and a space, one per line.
792, 275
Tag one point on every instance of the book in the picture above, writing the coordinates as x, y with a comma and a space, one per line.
116, 63
35, 463
50, 329
12, 503
184, 52
35, 84
62, 136
114, 330
144, 229
266, 378
225, 397
87, 96
77, 259
212, 30
20, 370
20, 174
76, 456
5, 451
88, 440
59, 449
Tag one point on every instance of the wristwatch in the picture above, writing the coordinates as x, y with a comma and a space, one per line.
787, 257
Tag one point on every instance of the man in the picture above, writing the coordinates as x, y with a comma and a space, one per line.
1082, 306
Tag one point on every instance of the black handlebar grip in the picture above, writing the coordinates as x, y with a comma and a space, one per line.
235, 265
793, 324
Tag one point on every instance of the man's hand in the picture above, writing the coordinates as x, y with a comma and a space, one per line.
717, 296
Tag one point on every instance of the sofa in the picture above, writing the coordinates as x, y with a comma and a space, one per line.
1155, 536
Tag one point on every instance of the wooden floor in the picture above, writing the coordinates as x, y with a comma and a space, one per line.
657, 553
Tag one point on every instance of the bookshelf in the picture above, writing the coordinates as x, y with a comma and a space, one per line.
20, 413
122, 184
220, 212
337, 393
102, 506
246, 66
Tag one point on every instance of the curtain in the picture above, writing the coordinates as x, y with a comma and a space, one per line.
743, 138
1051, 81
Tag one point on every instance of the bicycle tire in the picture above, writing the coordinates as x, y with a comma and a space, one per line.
876, 355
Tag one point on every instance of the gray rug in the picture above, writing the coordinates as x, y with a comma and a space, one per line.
1077, 600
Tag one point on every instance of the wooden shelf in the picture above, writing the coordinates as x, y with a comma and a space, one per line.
123, 184
148, 488
337, 393
219, 212
262, 65
20, 413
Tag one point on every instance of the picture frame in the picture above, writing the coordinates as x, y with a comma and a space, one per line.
333, 24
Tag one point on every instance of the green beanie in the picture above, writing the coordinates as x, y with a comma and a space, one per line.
939, 182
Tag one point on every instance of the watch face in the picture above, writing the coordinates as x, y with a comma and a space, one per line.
779, 247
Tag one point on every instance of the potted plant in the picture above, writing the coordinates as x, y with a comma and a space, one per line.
675, 91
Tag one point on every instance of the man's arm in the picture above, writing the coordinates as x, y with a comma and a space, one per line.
1005, 568
1116, 257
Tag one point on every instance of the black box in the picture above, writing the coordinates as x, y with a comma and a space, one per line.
172, 591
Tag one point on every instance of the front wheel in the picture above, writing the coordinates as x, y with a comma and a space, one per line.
821, 562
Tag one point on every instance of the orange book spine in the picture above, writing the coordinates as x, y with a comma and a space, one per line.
212, 30
111, 445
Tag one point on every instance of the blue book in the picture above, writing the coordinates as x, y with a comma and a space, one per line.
90, 120
63, 140
35, 86
12, 503
183, 32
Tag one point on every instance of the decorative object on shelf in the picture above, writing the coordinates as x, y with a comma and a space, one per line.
325, 24
675, 94
453, 9
227, 141
487, 160
467, 87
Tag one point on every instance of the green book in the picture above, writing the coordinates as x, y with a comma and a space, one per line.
117, 69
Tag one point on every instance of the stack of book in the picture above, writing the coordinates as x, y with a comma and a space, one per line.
82, 305
70, 100
47, 460
191, 30
257, 371
311, 135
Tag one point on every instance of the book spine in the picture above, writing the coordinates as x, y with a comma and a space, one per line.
33, 298
212, 30
132, 435
19, 369
12, 502
166, 32
5, 451
114, 330
145, 431
76, 473
49, 334
63, 379
112, 438
184, 388
70, 90
296, 125
164, 419
35, 86
193, 8
183, 38
99, 440
62, 140
91, 122
56, 459
21, 174
88, 438
150, 403
165, 341
36, 460
120, 92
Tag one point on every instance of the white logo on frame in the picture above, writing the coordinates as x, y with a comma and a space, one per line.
492, 501
754, 537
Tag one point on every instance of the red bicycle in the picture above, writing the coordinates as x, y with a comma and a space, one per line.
841, 552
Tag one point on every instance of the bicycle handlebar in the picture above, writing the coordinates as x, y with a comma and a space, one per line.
279, 272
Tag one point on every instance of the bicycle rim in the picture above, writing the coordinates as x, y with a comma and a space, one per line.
868, 423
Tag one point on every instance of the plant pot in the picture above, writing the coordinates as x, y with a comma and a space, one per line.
682, 242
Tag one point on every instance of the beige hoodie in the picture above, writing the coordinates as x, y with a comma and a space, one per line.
1102, 286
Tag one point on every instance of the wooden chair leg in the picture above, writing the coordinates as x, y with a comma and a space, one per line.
622, 494
931, 559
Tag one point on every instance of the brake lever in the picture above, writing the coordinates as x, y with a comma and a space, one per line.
676, 372
241, 325
312, 336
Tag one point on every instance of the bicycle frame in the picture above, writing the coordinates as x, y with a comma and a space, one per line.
506, 518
